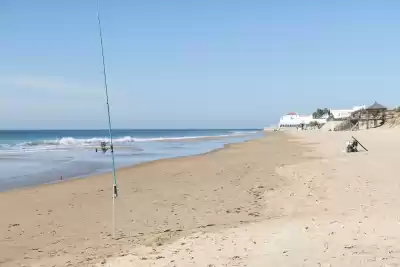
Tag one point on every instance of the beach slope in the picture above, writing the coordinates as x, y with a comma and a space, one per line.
283, 200
333, 209
69, 223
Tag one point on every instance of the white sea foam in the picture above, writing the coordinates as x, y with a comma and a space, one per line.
244, 132
70, 142
77, 142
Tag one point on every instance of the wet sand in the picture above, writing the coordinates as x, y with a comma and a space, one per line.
69, 223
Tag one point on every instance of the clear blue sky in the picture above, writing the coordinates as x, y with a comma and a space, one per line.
186, 64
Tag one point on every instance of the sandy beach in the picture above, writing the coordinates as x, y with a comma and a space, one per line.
286, 199
70, 222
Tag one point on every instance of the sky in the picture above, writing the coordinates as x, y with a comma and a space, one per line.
193, 64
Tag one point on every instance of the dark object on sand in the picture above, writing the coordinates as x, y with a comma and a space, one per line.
352, 146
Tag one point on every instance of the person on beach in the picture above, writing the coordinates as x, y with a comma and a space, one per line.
104, 147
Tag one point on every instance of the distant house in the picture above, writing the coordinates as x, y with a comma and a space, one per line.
292, 119
340, 114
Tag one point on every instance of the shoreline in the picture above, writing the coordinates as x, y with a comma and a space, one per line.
219, 189
107, 170
124, 168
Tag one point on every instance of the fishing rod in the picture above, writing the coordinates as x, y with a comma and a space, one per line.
114, 185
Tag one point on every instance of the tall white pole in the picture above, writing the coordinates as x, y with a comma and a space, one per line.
114, 185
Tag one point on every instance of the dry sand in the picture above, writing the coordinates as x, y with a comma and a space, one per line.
282, 200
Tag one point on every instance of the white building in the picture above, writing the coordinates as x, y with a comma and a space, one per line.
344, 113
293, 119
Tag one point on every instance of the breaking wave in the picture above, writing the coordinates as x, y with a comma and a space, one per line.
77, 142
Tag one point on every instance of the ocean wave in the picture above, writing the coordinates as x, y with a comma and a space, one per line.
70, 141
67, 142
78, 142
243, 132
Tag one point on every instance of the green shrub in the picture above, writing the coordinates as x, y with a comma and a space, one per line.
321, 112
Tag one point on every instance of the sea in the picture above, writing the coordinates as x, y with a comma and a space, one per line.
32, 157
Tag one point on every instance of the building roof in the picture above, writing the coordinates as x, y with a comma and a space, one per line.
292, 113
376, 106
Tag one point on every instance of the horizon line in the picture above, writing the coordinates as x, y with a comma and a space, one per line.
118, 129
